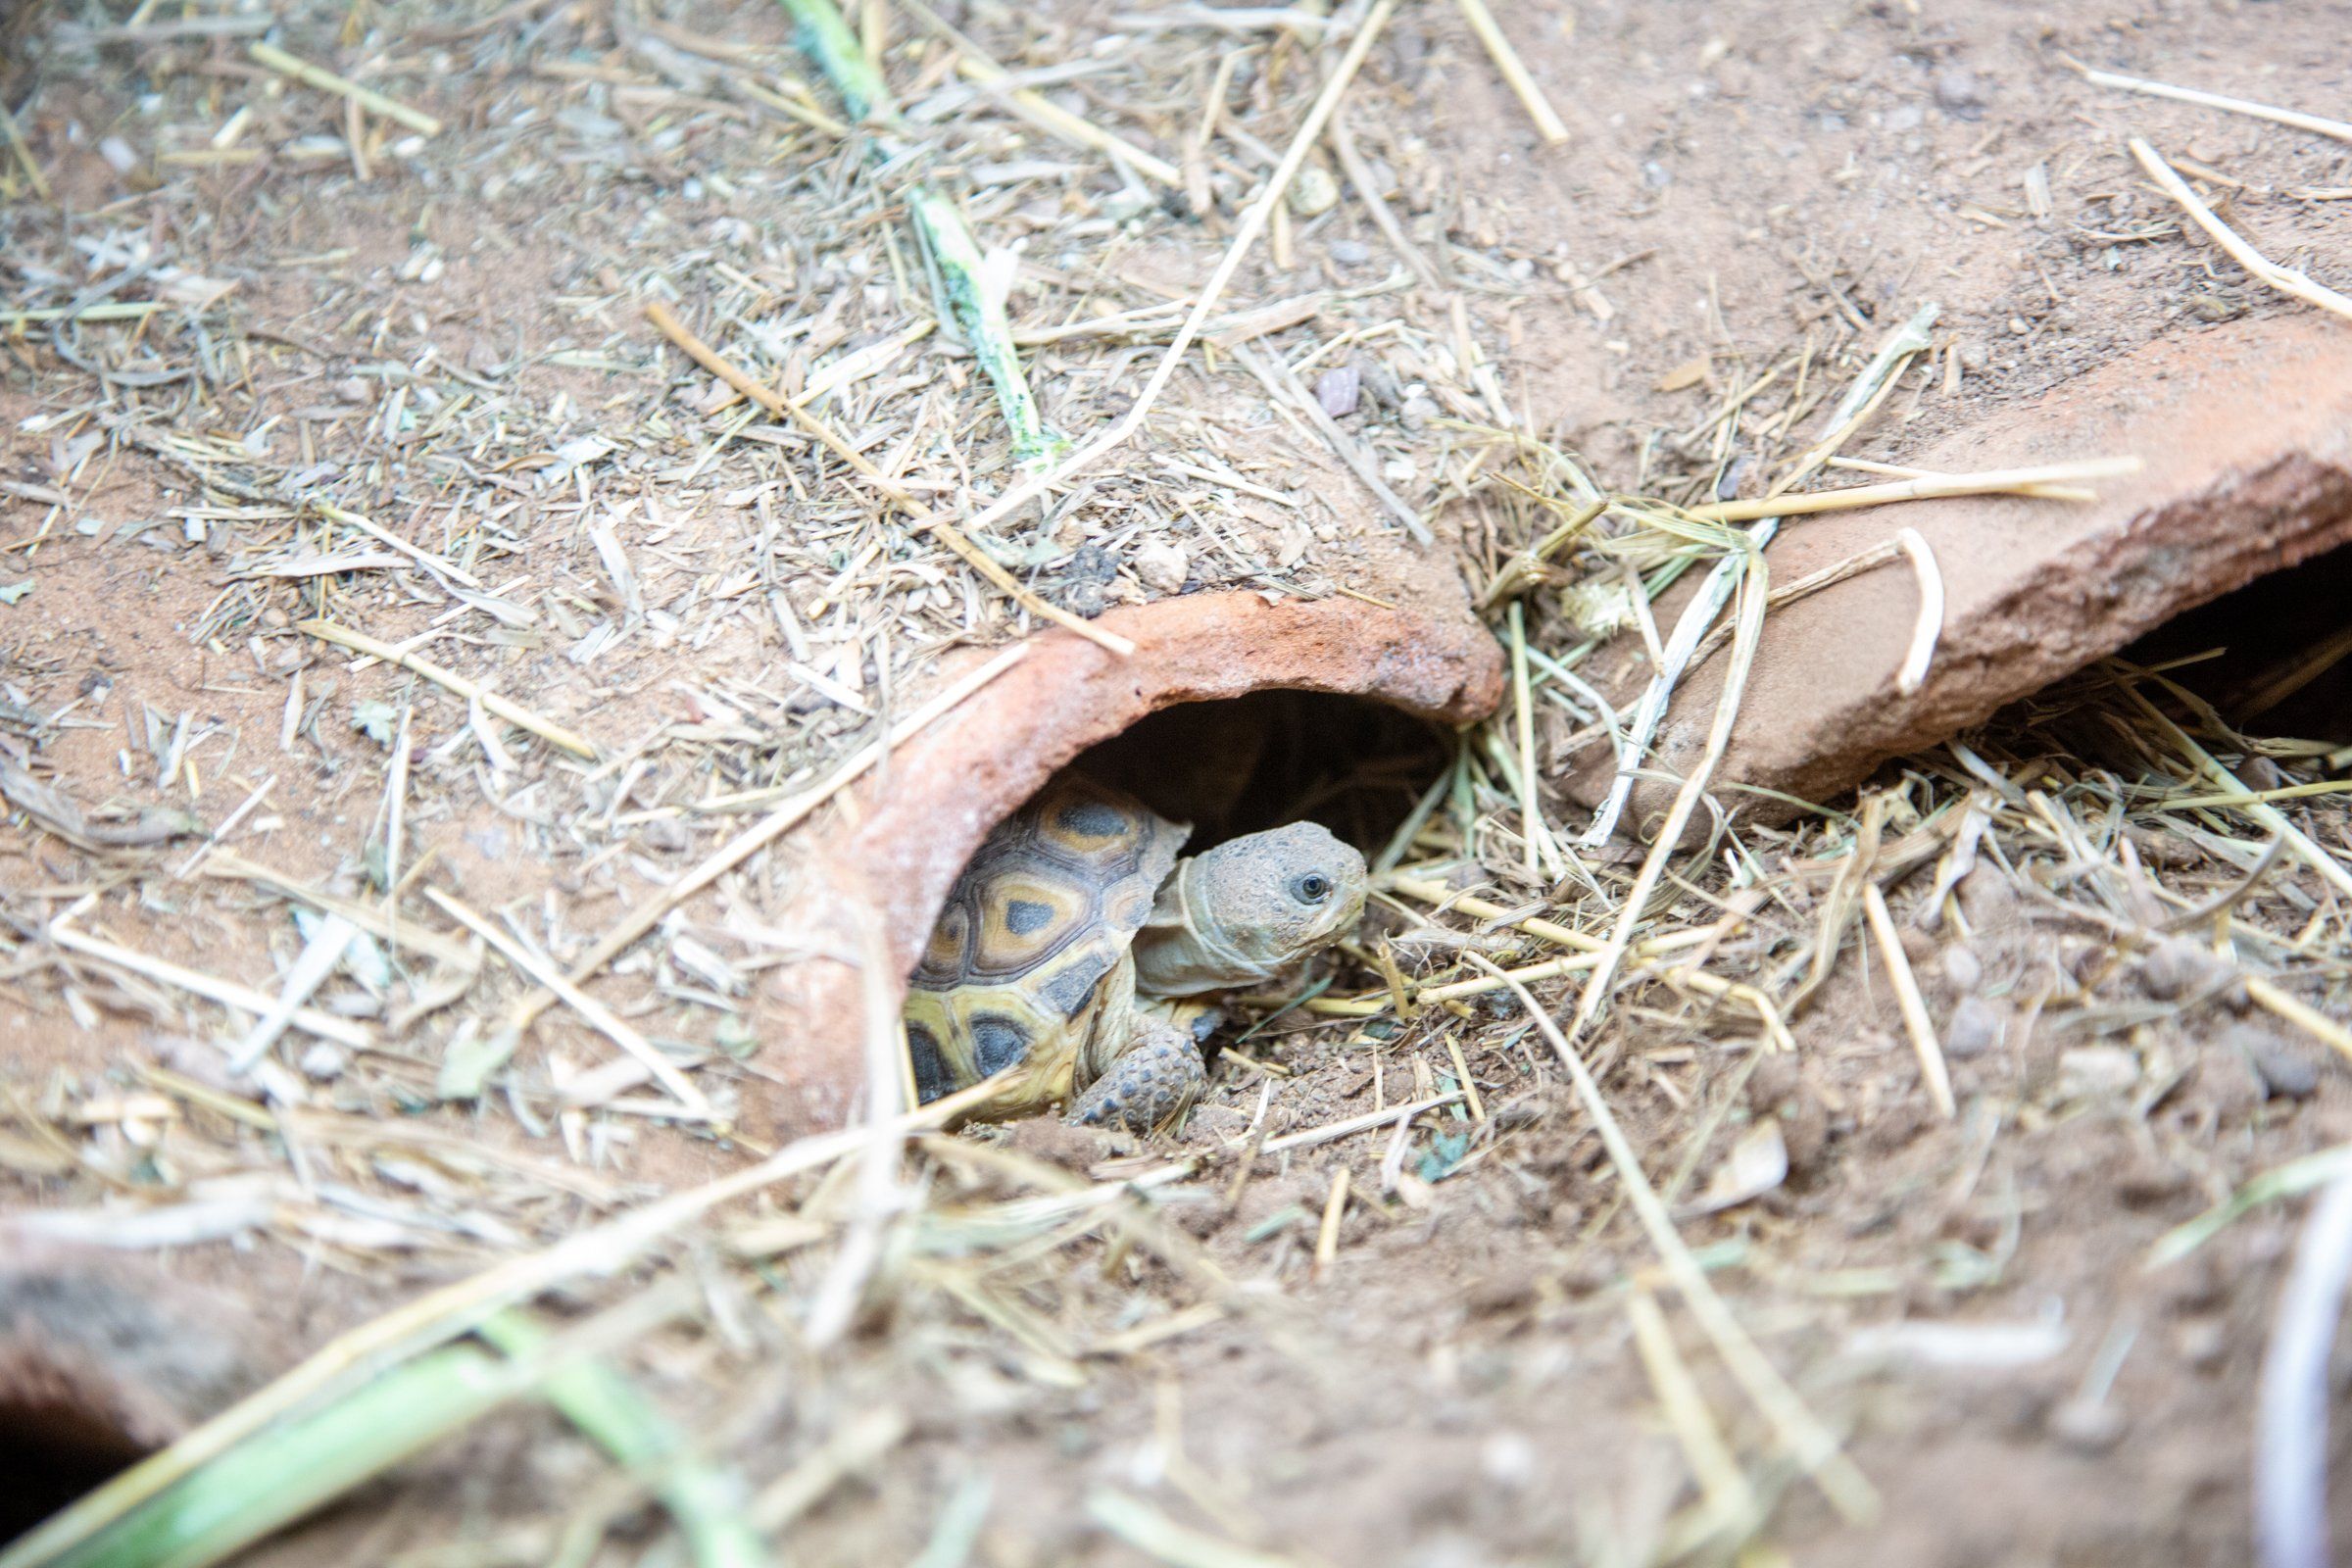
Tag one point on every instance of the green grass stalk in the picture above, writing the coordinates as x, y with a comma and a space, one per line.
706, 1502
978, 314
285, 1472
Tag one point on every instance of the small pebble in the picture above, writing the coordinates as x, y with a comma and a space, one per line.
1313, 192
2179, 967
1727, 483
1350, 252
2087, 1426
1160, 566
1963, 968
1380, 384
1959, 92
2261, 773
2087, 1072
2286, 1070
324, 1061
1972, 1029
1338, 389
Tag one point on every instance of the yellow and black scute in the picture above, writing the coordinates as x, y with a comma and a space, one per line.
1030, 961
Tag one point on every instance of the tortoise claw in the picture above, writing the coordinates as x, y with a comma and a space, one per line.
1153, 1083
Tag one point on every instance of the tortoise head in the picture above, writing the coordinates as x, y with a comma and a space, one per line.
1253, 905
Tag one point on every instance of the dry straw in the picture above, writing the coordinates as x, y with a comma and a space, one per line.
783, 624
2286, 279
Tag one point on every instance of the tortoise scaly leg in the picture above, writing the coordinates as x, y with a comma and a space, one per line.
1151, 1084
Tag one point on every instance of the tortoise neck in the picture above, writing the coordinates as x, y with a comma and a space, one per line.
1181, 954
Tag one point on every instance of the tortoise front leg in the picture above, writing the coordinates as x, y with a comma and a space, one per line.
1150, 1084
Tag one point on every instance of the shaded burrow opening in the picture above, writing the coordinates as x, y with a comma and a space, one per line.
55, 1449
2284, 665
1243, 764
1232, 766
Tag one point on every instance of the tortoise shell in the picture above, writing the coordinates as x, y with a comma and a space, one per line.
1029, 961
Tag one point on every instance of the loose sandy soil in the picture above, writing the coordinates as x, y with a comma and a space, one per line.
1967, 1303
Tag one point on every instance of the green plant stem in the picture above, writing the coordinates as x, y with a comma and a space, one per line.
839, 54
282, 1474
706, 1502
978, 314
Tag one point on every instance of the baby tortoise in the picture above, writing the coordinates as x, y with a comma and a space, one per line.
1067, 939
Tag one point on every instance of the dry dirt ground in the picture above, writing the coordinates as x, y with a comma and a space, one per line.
446, 335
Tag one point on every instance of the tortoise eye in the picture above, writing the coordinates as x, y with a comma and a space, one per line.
1312, 888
